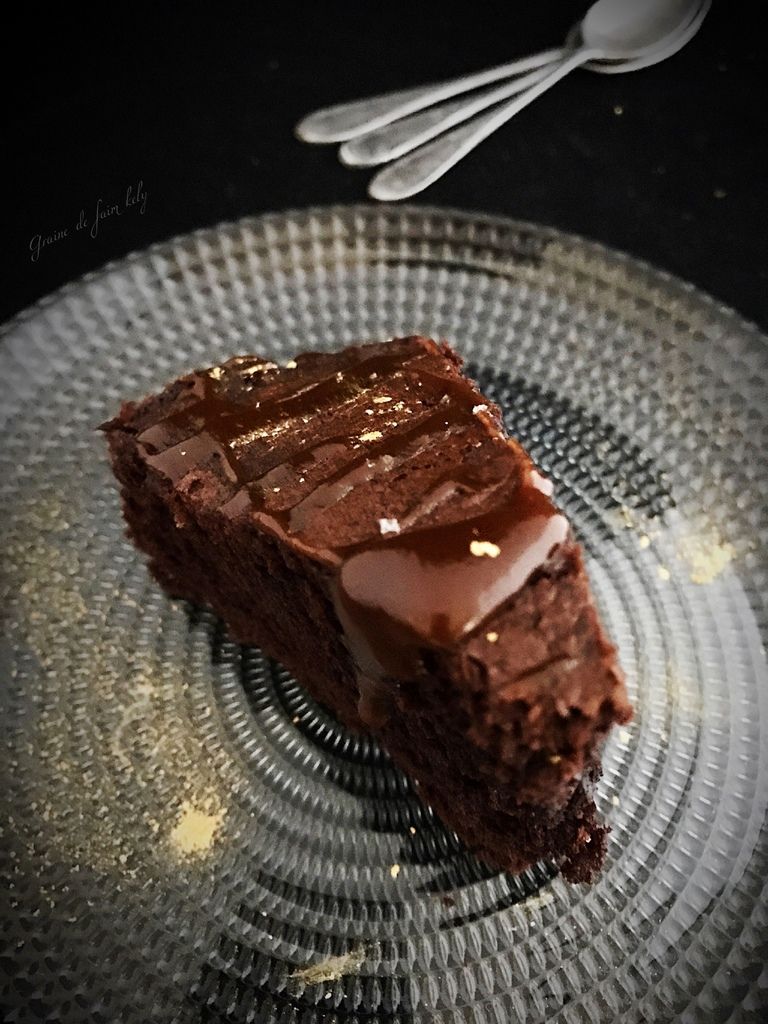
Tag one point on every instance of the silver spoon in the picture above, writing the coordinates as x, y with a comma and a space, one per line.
346, 120
611, 30
400, 137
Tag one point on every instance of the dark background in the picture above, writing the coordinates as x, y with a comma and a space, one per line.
668, 163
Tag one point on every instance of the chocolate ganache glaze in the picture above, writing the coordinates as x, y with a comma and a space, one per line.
412, 582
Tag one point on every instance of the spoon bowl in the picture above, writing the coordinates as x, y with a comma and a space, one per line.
629, 28
676, 43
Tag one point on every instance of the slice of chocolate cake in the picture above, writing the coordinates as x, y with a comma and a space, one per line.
362, 517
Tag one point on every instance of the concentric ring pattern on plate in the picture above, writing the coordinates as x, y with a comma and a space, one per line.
190, 838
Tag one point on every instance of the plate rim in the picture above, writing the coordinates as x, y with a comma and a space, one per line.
161, 247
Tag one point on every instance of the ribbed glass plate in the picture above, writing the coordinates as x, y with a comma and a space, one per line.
186, 836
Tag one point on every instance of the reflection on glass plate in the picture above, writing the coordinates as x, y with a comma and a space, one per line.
191, 838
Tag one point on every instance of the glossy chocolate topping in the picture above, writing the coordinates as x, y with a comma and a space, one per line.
423, 579
438, 583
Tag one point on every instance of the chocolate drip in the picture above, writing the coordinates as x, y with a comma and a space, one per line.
397, 446
232, 417
430, 586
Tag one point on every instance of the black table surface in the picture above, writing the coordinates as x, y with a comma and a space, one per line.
193, 112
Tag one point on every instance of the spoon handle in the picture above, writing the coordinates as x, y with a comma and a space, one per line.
346, 120
414, 172
400, 137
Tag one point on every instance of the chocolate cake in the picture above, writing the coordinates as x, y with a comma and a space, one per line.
362, 517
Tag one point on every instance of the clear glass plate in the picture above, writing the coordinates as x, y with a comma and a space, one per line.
191, 838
